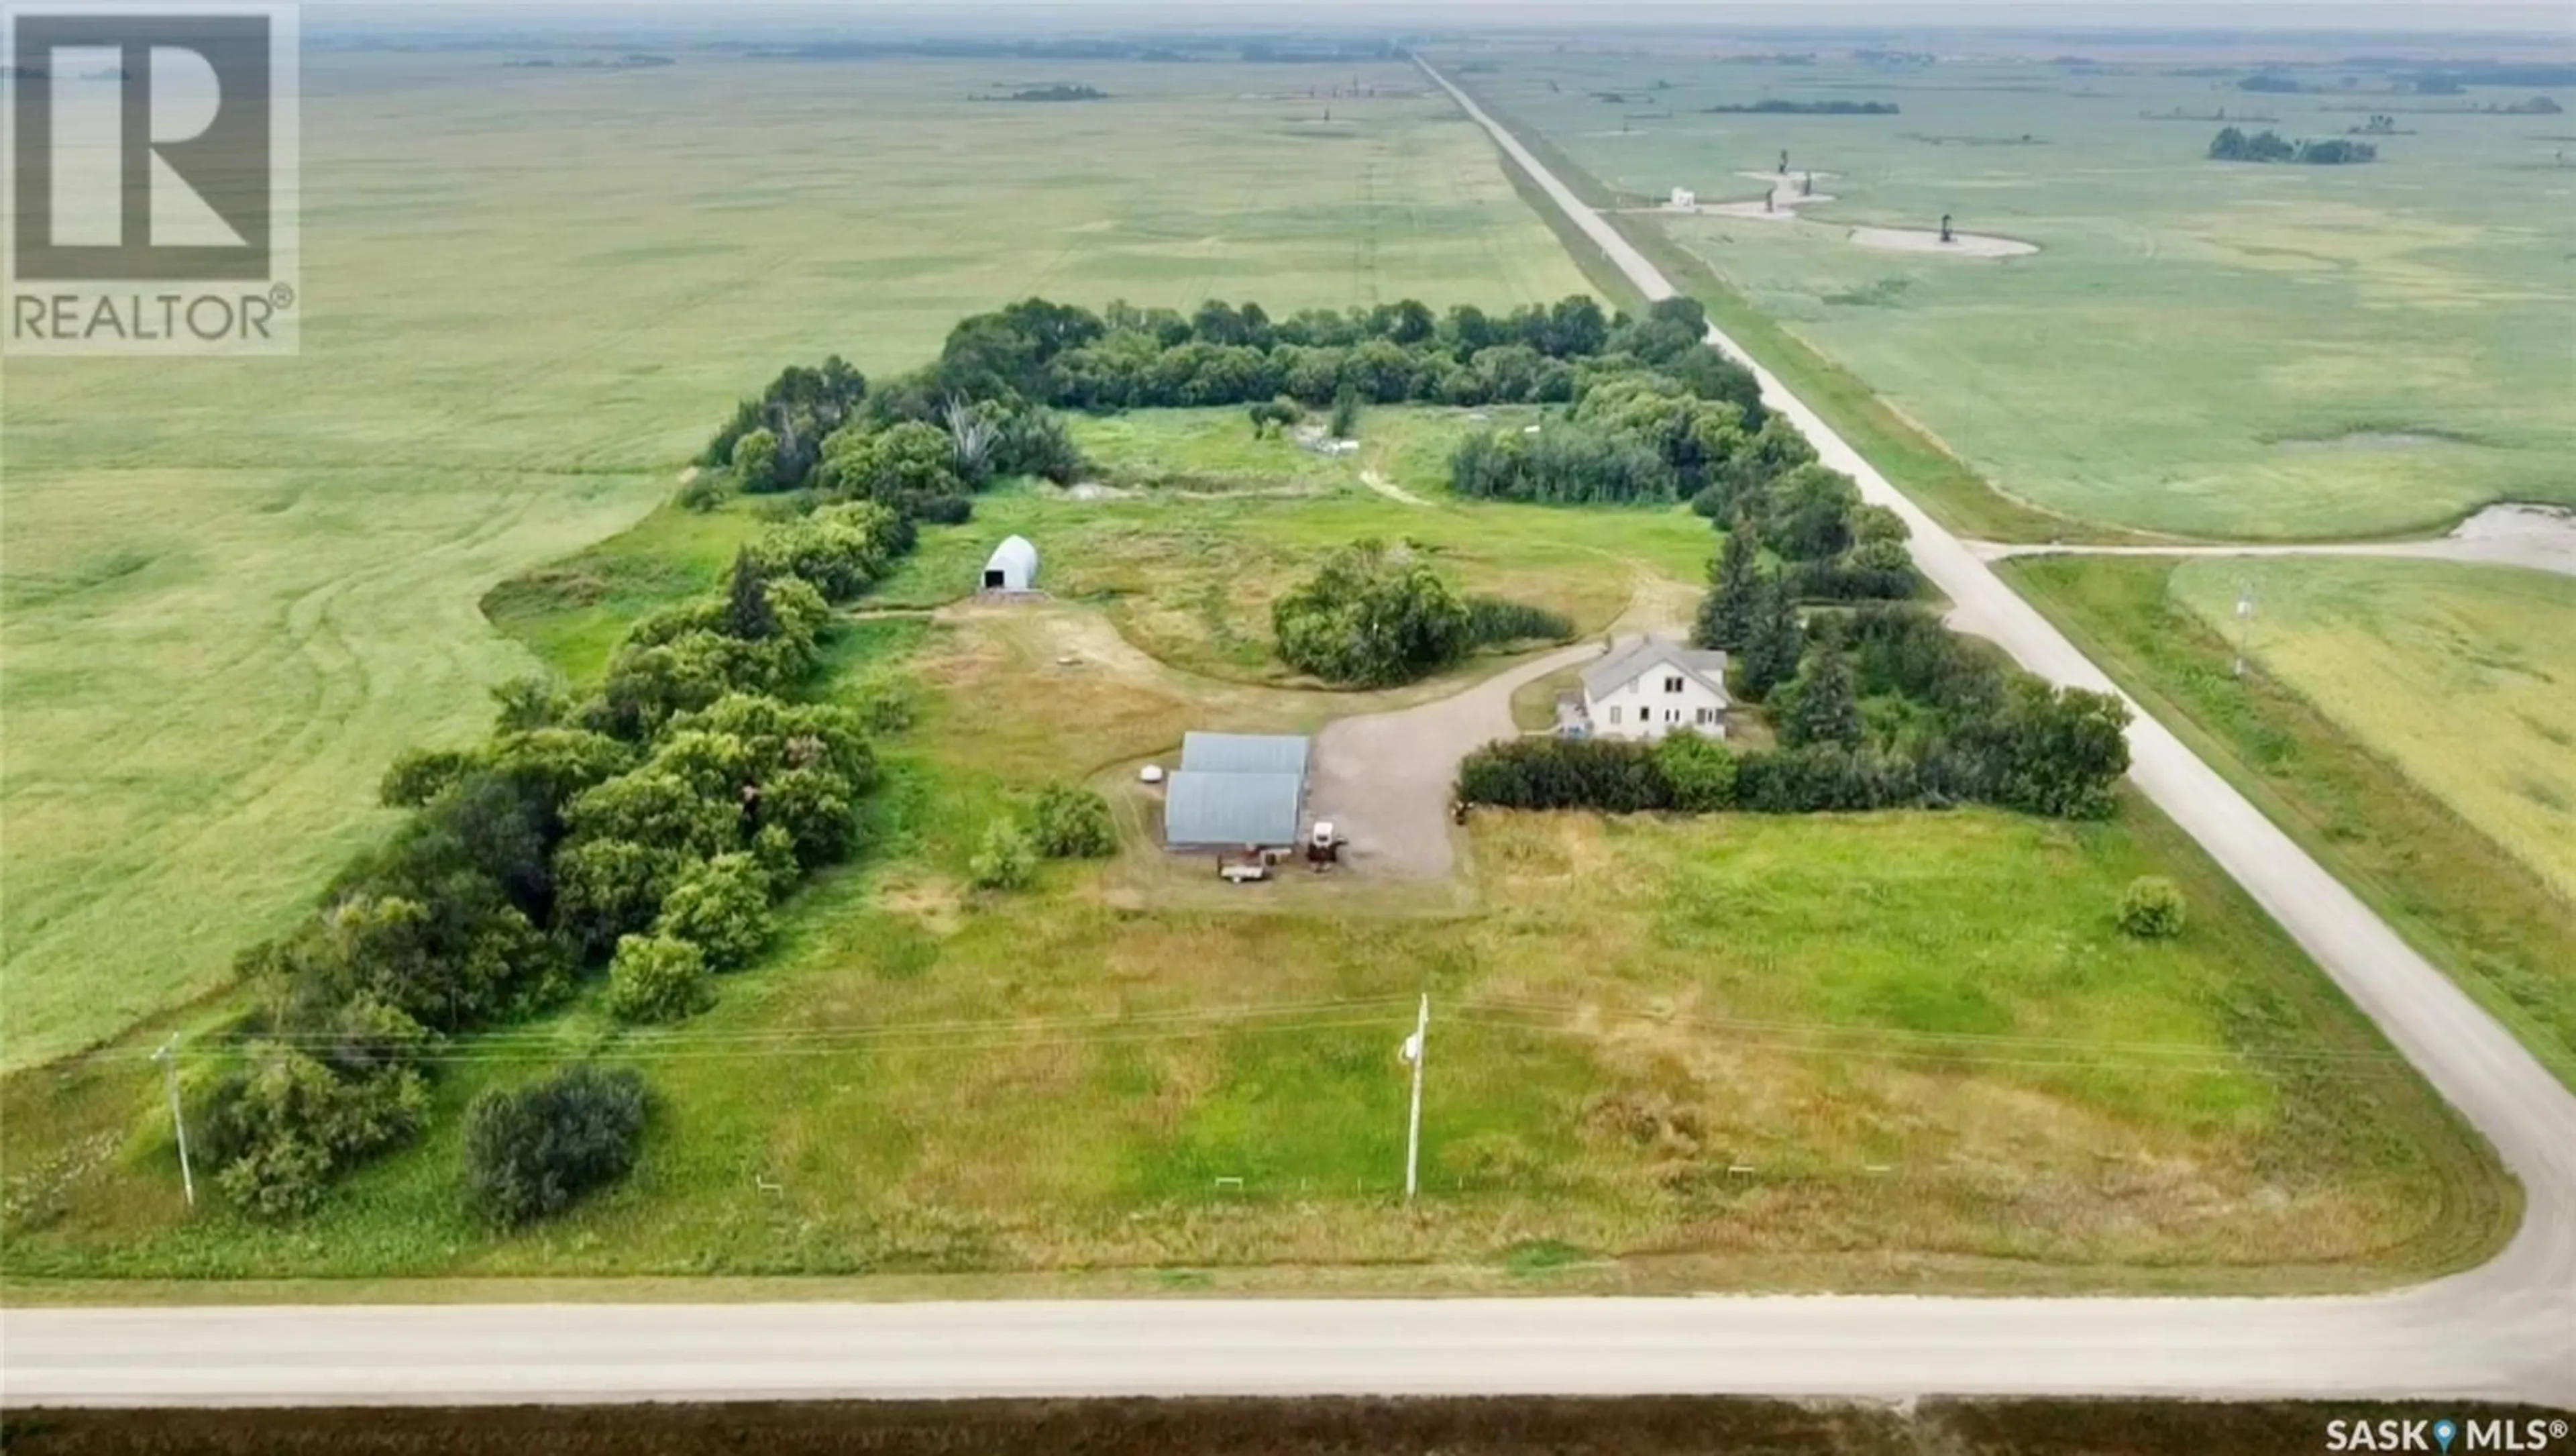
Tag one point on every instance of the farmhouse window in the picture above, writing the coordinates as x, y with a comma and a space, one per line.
1707, 716
1614, 716
1672, 685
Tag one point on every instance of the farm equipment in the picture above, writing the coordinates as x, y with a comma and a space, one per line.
1323, 845
1249, 867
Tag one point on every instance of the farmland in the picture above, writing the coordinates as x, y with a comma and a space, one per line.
2166, 365
236, 589
2419, 660
1895, 1050
2197, 349
1891, 1050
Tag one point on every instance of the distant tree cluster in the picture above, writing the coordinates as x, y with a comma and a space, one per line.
648, 828
2234, 145
1884, 708
2271, 84
633, 61
1779, 106
1058, 93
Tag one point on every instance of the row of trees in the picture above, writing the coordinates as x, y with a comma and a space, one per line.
1669, 420
1885, 708
1041, 353
650, 826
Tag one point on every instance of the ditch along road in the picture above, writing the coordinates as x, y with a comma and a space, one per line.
2506, 1330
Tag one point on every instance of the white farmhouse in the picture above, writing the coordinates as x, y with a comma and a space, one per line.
1648, 688
1684, 200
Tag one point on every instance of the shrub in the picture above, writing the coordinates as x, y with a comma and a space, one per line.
755, 461
1005, 860
275, 1131
530, 1151
1071, 822
656, 978
1270, 415
2152, 908
702, 492
884, 704
420, 775
1495, 620
1346, 414
721, 906
1608, 774
1699, 773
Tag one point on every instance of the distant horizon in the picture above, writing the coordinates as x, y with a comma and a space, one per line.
2072, 18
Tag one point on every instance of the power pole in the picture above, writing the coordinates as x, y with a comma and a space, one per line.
2245, 604
1413, 1048
169, 1060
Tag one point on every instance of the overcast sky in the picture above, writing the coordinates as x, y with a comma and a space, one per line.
2336, 15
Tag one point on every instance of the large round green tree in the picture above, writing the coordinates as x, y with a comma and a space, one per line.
1370, 617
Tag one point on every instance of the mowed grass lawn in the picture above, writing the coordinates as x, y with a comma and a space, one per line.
1905, 1050
2199, 348
236, 589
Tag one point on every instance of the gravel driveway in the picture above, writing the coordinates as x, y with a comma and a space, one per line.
1384, 779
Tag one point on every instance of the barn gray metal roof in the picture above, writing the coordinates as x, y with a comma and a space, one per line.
1233, 808
1243, 753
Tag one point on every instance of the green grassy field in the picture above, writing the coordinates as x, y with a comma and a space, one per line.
1218, 524
235, 589
2344, 781
1905, 1050
2199, 348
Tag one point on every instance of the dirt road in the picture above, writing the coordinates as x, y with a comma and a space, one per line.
1384, 779
2542, 538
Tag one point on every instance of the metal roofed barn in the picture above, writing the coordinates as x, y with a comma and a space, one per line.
1244, 753
1232, 810
1236, 790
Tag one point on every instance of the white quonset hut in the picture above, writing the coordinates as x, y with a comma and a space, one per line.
1013, 566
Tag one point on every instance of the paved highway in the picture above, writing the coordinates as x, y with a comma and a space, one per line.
2506, 1330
